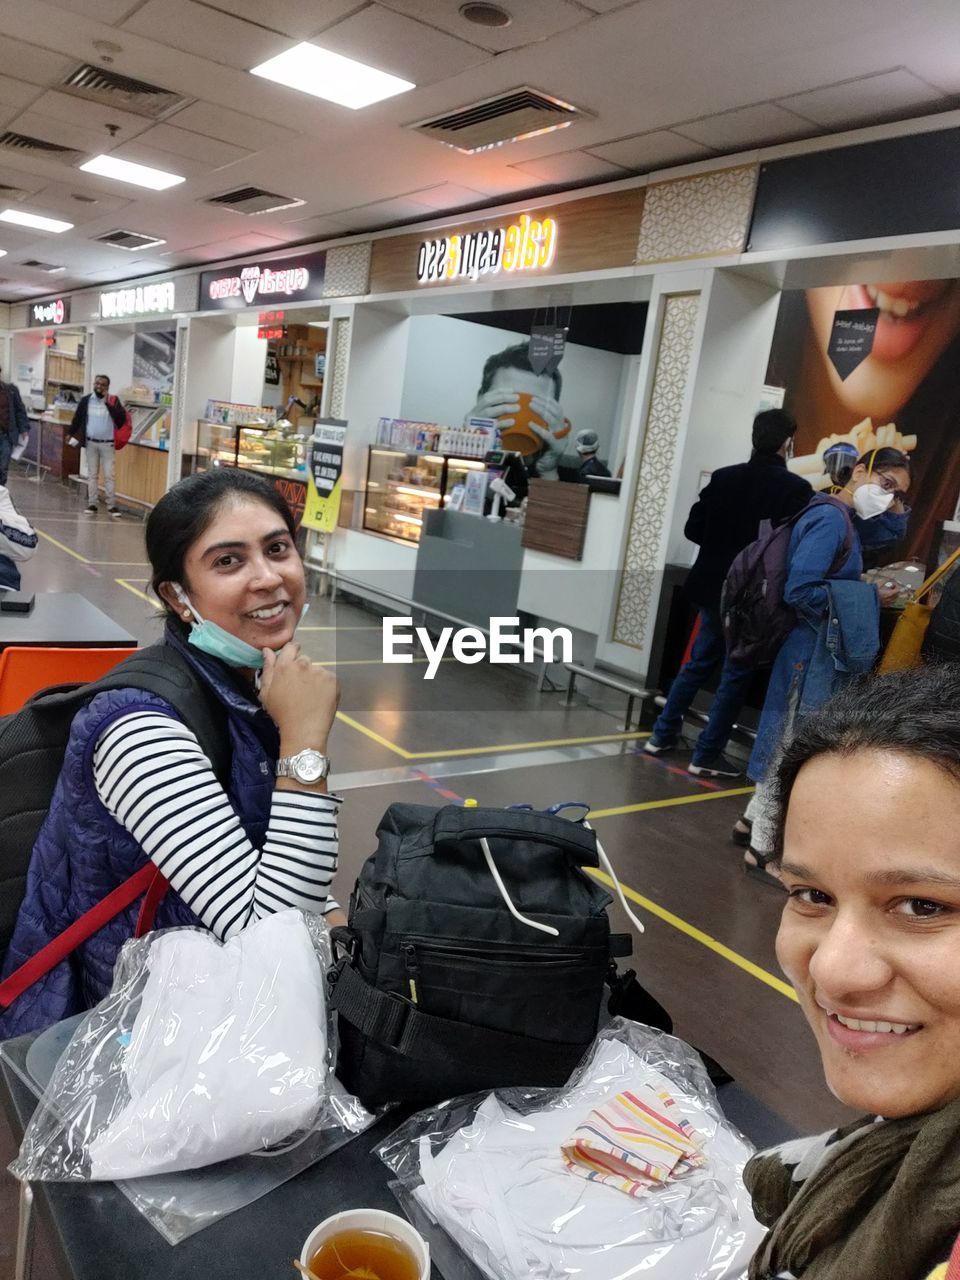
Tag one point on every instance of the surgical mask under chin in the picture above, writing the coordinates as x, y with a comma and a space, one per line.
211, 638
871, 500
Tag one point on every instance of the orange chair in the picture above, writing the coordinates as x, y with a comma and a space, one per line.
25, 670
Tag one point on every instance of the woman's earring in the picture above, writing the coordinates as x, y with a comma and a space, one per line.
186, 615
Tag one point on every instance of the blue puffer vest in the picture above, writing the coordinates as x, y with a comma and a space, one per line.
82, 853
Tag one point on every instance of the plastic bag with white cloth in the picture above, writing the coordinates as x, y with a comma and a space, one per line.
18, 538
202, 1051
492, 1171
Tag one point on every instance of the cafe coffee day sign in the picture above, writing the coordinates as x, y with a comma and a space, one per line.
47, 313
528, 244
255, 284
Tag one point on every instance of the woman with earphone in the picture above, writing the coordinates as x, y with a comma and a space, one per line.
234, 838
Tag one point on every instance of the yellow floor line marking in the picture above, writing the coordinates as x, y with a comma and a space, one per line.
60, 547
699, 798
445, 753
121, 582
698, 935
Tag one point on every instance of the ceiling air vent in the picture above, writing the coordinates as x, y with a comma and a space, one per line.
112, 90
509, 117
251, 200
49, 267
10, 141
129, 240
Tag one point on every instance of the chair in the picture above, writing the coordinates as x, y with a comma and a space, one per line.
25, 670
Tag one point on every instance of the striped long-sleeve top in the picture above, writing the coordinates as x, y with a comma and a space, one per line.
153, 777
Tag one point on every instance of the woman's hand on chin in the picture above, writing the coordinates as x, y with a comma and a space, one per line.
299, 697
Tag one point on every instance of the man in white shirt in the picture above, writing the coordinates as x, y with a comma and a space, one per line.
93, 425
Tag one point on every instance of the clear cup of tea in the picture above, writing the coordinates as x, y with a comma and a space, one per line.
367, 1241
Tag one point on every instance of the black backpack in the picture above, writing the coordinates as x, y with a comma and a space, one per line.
442, 991
33, 742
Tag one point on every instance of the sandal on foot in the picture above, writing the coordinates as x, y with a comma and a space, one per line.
759, 867
742, 831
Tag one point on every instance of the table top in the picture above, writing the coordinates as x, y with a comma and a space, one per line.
65, 620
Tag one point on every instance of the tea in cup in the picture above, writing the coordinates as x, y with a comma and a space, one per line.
366, 1243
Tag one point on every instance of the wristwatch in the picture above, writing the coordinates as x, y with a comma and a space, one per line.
306, 766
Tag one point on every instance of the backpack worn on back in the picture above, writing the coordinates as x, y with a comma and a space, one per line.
444, 990
756, 619
33, 743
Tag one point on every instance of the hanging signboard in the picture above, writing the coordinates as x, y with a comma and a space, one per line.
140, 300
56, 312
851, 339
254, 284
325, 475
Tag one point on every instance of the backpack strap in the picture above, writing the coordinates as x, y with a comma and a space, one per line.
396, 1024
148, 879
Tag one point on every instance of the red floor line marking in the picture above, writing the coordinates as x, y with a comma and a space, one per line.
435, 785
677, 769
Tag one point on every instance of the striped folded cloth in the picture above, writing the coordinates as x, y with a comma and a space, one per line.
632, 1144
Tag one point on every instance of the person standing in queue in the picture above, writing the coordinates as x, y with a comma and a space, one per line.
726, 518
136, 786
92, 428
14, 425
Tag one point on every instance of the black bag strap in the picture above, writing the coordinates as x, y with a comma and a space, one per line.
397, 1024
454, 825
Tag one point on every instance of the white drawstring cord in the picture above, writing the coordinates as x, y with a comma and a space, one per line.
608, 867
533, 924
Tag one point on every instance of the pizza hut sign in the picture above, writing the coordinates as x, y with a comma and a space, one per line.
281, 279
55, 312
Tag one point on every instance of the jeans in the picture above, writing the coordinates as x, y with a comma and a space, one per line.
709, 650
100, 453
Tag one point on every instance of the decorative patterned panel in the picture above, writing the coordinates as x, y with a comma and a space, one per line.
347, 270
642, 557
341, 354
697, 217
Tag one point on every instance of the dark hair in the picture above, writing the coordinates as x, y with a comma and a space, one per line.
771, 428
873, 460
186, 510
104, 376
915, 713
517, 357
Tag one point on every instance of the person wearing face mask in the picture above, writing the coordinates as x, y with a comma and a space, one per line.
136, 785
92, 428
882, 517
836, 634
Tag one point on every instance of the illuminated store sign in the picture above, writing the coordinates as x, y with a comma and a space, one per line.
56, 312
279, 280
144, 300
525, 245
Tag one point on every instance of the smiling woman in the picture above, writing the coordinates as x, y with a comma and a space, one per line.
231, 838
870, 939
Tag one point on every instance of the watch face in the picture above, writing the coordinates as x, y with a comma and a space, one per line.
308, 766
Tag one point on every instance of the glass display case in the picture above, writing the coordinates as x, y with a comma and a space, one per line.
271, 450
401, 484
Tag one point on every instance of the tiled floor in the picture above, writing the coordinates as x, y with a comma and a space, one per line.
707, 953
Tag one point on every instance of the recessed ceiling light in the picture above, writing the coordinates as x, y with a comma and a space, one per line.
3, 253
485, 15
329, 75
140, 175
21, 219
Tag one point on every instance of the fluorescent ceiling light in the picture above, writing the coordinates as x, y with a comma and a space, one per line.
318, 324
21, 219
3, 253
140, 175
328, 75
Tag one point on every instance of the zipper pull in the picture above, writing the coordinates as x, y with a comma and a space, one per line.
412, 965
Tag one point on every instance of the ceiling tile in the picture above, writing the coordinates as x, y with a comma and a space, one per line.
746, 127
61, 197
193, 146
878, 97
91, 116
16, 93
292, 17
228, 247
391, 42
139, 152
570, 166
38, 66
64, 133
532, 21
653, 150
449, 196
607, 6
231, 126
206, 32
109, 11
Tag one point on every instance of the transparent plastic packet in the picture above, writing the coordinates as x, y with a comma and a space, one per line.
486, 1172
202, 1054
